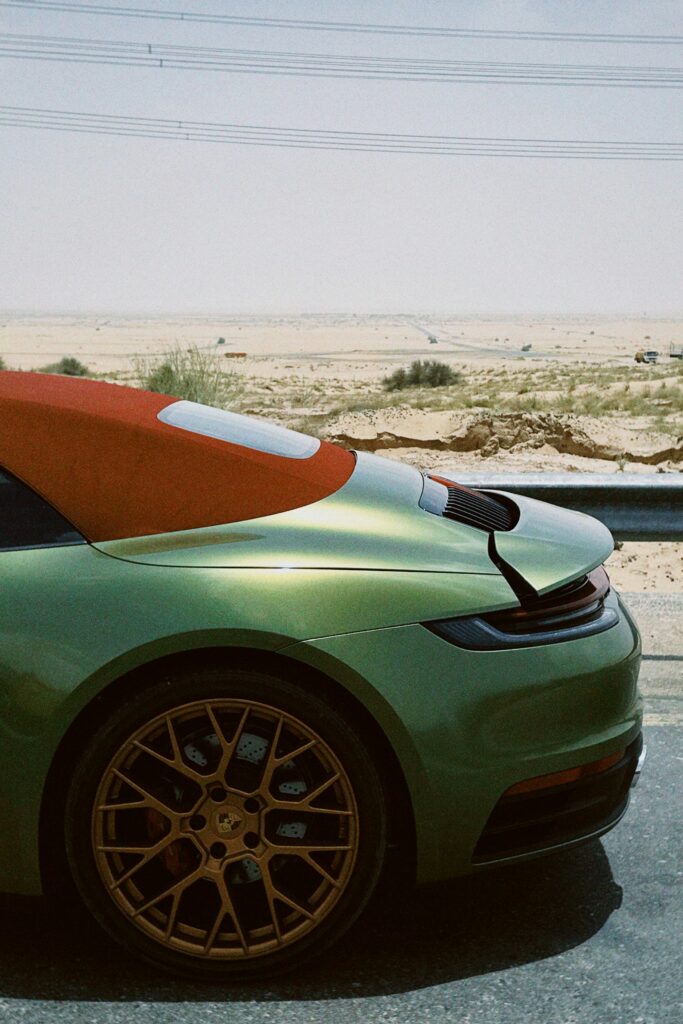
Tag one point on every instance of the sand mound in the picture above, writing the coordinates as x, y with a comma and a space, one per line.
488, 434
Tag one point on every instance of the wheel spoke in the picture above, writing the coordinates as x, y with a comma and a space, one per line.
128, 849
177, 761
273, 893
131, 805
270, 892
149, 800
227, 746
148, 854
173, 737
177, 887
293, 905
283, 758
271, 760
172, 914
213, 932
317, 848
321, 870
274, 803
300, 805
321, 789
226, 907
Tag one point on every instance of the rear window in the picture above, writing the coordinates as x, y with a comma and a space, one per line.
28, 521
258, 435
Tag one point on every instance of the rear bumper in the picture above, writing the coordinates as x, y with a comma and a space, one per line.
540, 821
468, 725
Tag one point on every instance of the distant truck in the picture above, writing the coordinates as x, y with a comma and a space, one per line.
675, 351
649, 356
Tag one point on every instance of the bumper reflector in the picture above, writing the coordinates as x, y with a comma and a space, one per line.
570, 775
550, 811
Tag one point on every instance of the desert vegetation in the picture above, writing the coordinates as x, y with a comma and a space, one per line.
425, 373
655, 396
68, 366
192, 373
650, 397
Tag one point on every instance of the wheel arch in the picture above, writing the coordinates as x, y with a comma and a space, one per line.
52, 857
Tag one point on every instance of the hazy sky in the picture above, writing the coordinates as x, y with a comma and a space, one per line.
91, 223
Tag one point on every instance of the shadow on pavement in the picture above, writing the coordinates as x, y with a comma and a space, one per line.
406, 940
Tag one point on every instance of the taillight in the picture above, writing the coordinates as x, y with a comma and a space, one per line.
575, 610
572, 604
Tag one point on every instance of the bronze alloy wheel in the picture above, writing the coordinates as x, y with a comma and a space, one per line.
226, 830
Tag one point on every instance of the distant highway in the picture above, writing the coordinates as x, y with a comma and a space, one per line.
481, 348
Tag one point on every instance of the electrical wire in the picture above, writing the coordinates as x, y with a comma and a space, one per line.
325, 65
322, 139
307, 24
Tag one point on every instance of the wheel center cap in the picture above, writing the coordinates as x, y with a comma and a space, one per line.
228, 821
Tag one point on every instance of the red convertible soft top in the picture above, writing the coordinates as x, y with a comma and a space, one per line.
101, 454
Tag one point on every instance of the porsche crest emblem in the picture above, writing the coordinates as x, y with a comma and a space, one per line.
228, 821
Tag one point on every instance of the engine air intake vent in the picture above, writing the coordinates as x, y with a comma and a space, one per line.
478, 509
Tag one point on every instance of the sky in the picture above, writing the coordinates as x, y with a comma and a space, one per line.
98, 224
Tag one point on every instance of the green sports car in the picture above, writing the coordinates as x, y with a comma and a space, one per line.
239, 665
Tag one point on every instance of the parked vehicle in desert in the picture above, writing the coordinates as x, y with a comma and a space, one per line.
649, 356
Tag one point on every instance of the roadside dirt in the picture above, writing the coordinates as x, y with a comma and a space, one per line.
488, 435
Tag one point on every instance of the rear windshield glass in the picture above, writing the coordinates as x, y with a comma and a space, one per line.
243, 430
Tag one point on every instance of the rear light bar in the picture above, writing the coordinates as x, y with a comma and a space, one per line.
574, 603
573, 611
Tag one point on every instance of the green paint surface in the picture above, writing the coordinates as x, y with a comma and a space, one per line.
341, 585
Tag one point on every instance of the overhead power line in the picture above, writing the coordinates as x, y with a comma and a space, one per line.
326, 65
307, 24
308, 138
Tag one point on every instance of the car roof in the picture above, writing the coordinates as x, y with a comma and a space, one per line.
100, 454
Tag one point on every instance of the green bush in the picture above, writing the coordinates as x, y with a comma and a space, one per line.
396, 382
426, 373
2, 364
185, 373
68, 366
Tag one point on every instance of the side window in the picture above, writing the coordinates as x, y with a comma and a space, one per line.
28, 521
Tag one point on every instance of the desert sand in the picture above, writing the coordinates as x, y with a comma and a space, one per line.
535, 393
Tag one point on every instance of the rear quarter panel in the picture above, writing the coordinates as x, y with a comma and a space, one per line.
74, 620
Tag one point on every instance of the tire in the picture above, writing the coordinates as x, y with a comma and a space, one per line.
224, 824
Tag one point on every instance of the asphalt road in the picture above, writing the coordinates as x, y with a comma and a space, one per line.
592, 936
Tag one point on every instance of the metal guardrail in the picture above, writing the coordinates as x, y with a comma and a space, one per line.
634, 506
